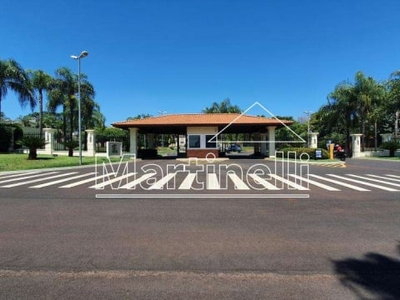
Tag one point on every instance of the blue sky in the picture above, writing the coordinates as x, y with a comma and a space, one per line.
179, 56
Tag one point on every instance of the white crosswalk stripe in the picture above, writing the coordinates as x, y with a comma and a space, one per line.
376, 180
261, 181
37, 180
187, 183
82, 182
212, 182
239, 184
10, 175
384, 178
337, 182
138, 181
293, 185
190, 182
111, 181
39, 186
316, 183
364, 183
159, 184
26, 177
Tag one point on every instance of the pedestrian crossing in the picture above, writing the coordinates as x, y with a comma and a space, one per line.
189, 181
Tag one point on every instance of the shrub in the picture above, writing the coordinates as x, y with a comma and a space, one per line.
392, 146
5, 138
300, 152
70, 145
32, 143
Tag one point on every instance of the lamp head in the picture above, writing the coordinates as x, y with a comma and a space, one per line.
83, 54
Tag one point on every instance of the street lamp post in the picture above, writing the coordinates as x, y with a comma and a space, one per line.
308, 113
78, 58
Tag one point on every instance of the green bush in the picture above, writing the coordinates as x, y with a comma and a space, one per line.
5, 138
392, 146
32, 143
71, 145
301, 152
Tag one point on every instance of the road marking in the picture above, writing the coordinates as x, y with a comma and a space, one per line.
67, 186
159, 184
137, 181
350, 186
212, 182
264, 183
27, 177
187, 182
395, 176
316, 183
61, 180
10, 175
239, 184
109, 182
203, 196
376, 180
38, 180
364, 183
383, 177
289, 183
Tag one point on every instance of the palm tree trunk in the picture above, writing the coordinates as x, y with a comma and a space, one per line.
40, 114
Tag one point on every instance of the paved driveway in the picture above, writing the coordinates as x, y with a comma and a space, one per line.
63, 242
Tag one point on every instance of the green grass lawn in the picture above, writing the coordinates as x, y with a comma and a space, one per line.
15, 162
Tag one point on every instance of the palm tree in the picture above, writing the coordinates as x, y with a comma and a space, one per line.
13, 77
340, 114
88, 105
62, 93
40, 82
368, 95
224, 107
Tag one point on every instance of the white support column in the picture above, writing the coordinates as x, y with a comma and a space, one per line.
133, 140
356, 144
91, 142
49, 138
271, 139
314, 139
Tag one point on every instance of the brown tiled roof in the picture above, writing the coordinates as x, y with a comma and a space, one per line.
216, 119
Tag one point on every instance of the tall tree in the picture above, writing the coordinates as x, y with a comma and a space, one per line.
13, 77
341, 111
62, 94
224, 107
368, 94
392, 105
40, 82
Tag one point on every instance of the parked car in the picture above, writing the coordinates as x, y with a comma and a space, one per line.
234, 148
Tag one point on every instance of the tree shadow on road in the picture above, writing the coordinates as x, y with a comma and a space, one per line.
373, 275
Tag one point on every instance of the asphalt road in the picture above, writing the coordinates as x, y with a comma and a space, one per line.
74, 243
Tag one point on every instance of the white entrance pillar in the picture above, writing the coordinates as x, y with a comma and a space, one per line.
271, 139
314, 139
356, 144
49, 138
91, 142
133, 140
